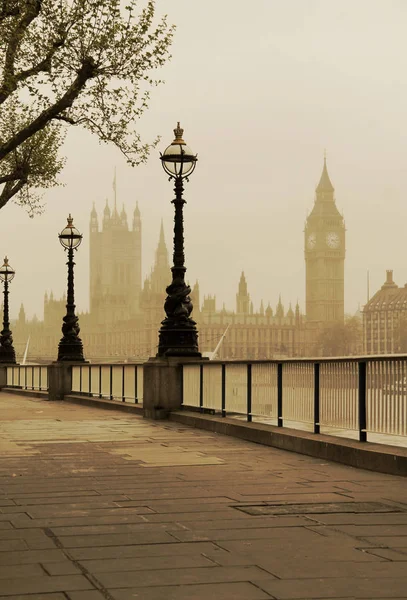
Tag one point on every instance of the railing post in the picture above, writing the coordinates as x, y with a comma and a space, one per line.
90, 381
223, 408
123, 396
111, 383
100, 381
182, 386
249, 393
80, 379
316, 397
362, 401
201, 388
136, 384
280, 394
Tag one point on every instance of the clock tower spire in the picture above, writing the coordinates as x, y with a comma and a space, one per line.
324, 256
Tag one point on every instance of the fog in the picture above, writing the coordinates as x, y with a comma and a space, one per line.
261, 89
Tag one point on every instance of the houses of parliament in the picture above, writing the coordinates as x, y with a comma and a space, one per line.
126, 312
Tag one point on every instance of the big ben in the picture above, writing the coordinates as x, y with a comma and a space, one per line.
324, 245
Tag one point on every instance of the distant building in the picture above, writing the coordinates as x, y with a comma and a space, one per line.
385, 319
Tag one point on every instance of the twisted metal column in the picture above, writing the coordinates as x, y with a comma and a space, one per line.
70, 348
7, 352
178, 334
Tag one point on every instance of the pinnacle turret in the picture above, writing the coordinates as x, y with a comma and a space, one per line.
280, 308
94, 225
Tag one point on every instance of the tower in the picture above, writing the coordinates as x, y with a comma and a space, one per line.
115, 264
242, 297
324, 246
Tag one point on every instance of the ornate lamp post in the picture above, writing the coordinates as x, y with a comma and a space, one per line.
70, 348
178, 334
7, 352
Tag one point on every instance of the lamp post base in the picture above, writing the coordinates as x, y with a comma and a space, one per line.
178, 341
7, 355
70, 351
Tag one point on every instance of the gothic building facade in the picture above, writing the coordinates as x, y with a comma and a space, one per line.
125, 314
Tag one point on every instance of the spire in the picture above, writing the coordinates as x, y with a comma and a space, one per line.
162, 246
161, 266
261, 308
161, 242
136, 219
290, 312
243, 285
280, 308
106, 215
325, 184
21, 314
106, 211
94, 226
297, 314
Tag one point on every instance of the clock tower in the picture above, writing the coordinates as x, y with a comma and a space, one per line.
324, 256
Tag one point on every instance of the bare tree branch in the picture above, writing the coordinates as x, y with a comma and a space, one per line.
33, 8
9, 191
86, 72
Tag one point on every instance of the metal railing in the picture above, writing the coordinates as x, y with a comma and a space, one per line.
28, 377
122, 382
349, 397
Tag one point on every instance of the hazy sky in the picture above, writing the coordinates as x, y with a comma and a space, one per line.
261, 89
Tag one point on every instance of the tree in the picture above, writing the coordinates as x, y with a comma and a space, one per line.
341, 339
63, 63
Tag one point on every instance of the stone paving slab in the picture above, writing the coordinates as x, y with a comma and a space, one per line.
108, 506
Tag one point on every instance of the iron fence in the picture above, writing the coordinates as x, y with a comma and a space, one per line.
350, 397
28, 377
122, 382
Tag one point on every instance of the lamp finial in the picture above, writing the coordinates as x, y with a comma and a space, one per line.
178, 132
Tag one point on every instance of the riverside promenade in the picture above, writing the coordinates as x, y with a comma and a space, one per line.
104, 505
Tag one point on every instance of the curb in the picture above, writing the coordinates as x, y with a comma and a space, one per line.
105, 404
362, 455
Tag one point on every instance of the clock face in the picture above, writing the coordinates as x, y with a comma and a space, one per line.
332, 239
311, 241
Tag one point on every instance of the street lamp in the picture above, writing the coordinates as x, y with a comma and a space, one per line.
7, 352
70, 348
178, 334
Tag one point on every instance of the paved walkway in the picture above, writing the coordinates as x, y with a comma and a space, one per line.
97, 505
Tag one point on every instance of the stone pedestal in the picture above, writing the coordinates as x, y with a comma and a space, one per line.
162, 387
3, 377
59, 380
